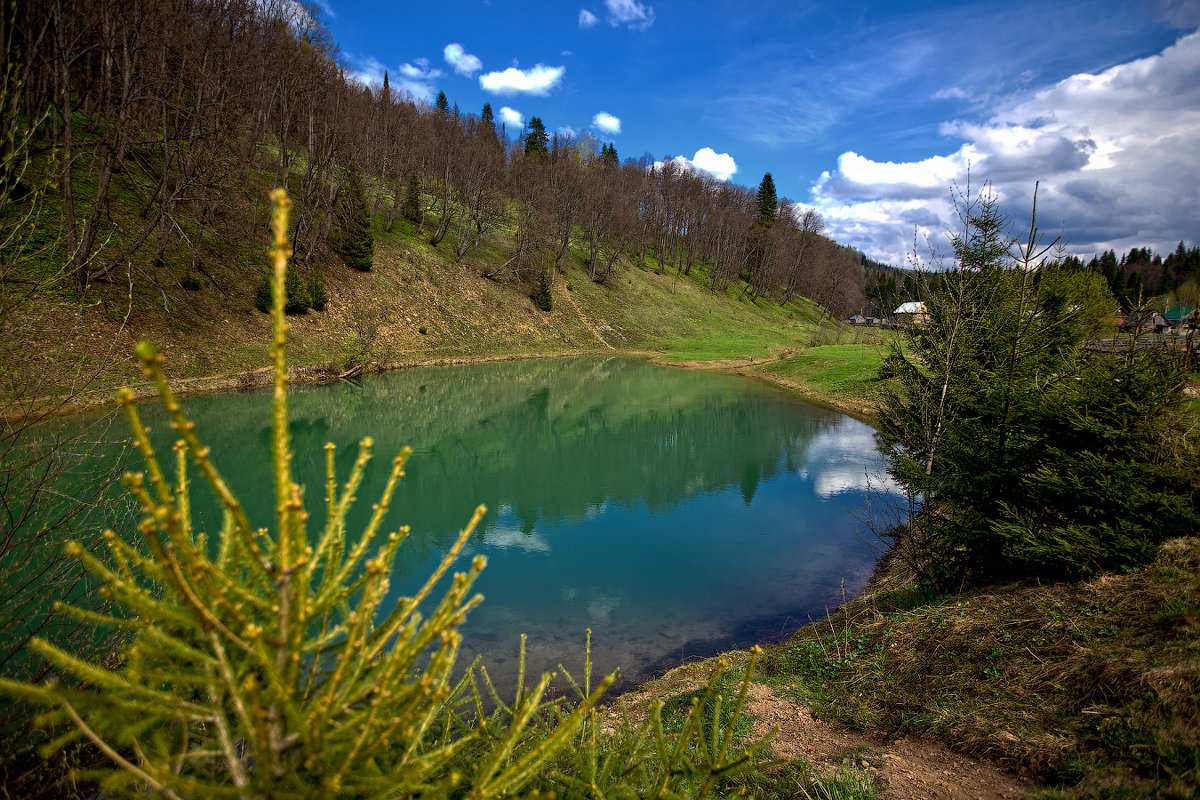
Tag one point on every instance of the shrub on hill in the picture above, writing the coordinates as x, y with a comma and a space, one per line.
541, 294
354, 238
1026, 452
297, 294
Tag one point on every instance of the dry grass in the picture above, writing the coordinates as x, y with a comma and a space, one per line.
1093, 686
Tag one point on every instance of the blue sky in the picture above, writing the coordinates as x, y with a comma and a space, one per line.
867, 111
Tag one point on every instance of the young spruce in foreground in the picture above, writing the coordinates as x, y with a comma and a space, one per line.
274, 670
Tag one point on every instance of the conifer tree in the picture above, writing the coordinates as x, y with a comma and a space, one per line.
768, 202
1032, 454
316, 289
441, 105
354, 237
536, 140
541, 294
487, 125
412, 198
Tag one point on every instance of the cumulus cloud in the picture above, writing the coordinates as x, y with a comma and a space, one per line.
463, 62
415, 80
606, 123
512, 117
567, 132
1115, 153
539, 80
630, 13
367, 71
587, 19
844, 458
720, 165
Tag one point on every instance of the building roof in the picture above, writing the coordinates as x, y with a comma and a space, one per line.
911, 307
1179, 312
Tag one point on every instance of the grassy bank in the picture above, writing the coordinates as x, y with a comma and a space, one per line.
416, 306
1083, 690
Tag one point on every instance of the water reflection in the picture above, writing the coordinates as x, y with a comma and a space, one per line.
672, 512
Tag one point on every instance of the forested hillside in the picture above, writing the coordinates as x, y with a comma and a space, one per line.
144, 139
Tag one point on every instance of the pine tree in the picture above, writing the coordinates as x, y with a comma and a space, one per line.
354, 237
608, 155
1032, 455
298, 295
412, 198
768, 202
487, 125
296, 290
541, 296
316, 289
536, 140
386, 92
441, 105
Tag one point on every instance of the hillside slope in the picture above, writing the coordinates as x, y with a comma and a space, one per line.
415, 306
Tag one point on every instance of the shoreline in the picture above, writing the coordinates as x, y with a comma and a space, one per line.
327, 372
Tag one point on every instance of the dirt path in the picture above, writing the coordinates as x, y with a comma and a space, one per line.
904, 769
582, 318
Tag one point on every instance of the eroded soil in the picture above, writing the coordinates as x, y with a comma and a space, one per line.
903, 769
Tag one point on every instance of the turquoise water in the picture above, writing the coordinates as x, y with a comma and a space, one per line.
673, 513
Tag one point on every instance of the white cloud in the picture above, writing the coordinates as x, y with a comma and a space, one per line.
629, 12
720, 165
539, 80
953, 93
512, 117
418, 80
368, 71
506, 538
567, 132
1178, 13
606, 123
587, 19
844, 458
463, 62
1115, 155
415, 80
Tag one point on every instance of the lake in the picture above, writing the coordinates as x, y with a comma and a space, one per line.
674, 513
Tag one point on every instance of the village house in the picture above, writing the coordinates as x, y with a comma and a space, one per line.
913, 311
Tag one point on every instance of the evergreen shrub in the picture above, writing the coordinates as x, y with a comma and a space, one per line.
318, 297
412, 198
297, 297
270, 663
354, 237
541, 294
298, 300
1028, 453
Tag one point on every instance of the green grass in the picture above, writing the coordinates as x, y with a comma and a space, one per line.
843, 375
